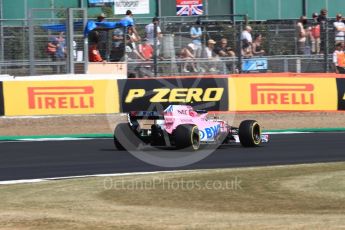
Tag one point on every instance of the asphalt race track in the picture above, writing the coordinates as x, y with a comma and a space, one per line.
32, 160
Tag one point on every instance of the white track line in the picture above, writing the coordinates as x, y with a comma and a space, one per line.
286, 132
105, 138
55, 139
60, 116
32, 181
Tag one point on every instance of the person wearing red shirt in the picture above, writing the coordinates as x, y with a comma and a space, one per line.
146, 50
94, 55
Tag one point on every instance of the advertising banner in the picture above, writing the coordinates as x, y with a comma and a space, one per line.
26, 98
2, 109
157, 94
282, 94
255, 65
97, 3
341, 93
136, 6
189, 7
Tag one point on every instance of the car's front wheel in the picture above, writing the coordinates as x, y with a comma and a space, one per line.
249, 133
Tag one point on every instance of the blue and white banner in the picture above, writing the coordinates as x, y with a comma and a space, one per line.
254, 65
96, 3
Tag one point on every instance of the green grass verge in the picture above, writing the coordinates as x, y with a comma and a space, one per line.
281, 197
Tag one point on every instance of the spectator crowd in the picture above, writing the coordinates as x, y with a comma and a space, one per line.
202, 53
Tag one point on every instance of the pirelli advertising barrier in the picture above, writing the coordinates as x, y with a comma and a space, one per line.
248, 92
251, 92
283, 94
29, 98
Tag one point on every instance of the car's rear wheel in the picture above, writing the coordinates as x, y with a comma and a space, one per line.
125, 137
187, 137
249, 133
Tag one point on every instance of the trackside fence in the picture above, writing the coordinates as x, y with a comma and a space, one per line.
23, 45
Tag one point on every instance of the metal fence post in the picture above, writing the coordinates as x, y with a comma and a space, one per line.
239, 47
31, 45
1, 36
85, 45
70, 32
326, 46
155, 46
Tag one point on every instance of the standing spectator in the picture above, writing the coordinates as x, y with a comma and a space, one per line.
103, 37
51, 50
61, 46
129, 18
301, 34
61, 51
196, 34
339, 58
323, 16
118, 46
339, 29
223, 50
149, 30
257, 46
315, 34
322, 19
51, 47
246, 34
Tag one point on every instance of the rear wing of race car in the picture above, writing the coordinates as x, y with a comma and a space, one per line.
146, 115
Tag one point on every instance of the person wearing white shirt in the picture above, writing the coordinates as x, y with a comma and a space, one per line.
210, 55
246, 34
339, 29
150, 34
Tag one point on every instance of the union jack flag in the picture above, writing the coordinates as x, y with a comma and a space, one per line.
189, 7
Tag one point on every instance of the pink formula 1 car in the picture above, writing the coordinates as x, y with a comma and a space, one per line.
182, 127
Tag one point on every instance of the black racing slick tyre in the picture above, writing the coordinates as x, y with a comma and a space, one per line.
249, 133
187, 137
125, 138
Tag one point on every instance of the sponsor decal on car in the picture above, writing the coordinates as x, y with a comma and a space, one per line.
209, 133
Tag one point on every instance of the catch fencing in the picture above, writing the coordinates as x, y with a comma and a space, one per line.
23, 46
